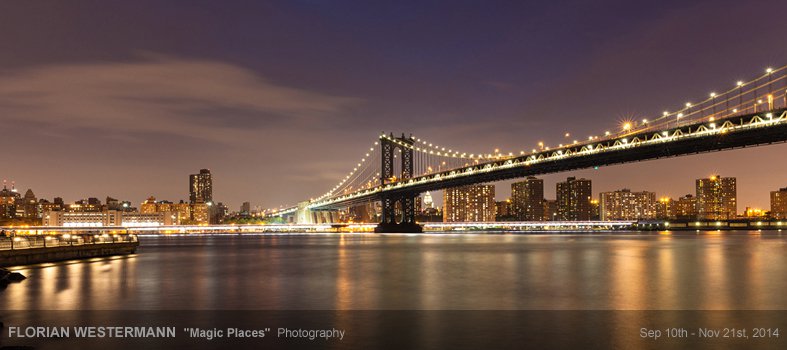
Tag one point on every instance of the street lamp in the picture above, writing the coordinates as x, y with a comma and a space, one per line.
740, 95
713, 103
769, 71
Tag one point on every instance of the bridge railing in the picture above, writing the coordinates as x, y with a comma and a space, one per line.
13, 242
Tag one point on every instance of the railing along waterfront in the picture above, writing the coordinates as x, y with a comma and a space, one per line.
12, 241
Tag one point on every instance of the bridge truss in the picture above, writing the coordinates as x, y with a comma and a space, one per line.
397, 169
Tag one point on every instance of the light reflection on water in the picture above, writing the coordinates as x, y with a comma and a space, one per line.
734, 270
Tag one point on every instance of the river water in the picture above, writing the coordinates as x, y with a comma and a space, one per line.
707, 271
609, 271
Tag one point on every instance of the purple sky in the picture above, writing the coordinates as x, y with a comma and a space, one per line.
279, 99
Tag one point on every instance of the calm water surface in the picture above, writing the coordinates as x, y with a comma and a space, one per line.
695, 271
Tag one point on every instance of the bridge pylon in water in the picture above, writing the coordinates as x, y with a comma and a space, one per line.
398, 209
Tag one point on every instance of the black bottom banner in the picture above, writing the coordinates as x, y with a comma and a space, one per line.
341, 329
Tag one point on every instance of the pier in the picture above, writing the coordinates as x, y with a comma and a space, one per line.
59, 246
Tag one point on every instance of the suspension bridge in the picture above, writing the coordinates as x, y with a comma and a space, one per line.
395, 169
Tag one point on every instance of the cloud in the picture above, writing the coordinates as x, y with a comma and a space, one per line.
201, 99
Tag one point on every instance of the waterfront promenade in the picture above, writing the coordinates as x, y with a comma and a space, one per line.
28, 249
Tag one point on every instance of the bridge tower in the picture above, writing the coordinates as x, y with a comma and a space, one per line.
404, 222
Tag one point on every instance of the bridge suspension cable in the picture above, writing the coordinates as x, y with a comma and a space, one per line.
763, 93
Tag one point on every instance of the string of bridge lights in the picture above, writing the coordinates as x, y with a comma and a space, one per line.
685, 113
344, 180
432, 149
423, 147
426, 147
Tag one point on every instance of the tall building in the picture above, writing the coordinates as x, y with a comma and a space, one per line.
245, 208
165, 206
148, 206
716, 198
665, 208
503, 211
779, 203
550, 210
182, 212
469, 203
573, 199
8, 202
627, 205
527, 199
686, 208
46, 206
200, 213
217, 211
428, 202
29, 205
201, 187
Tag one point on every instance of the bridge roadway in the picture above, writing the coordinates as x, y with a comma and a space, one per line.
754, 129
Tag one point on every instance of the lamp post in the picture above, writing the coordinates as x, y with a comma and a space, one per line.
769, 71
740, 95
713, 104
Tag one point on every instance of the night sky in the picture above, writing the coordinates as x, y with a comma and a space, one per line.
280, 99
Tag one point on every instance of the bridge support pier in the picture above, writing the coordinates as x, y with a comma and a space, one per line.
405, 211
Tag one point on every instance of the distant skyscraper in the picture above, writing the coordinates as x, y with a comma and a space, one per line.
716, 198
627, 205
29, 205
469, 203
573, 199
8, 202
245, 208
201, 187
779, 204
527, 199
686, 208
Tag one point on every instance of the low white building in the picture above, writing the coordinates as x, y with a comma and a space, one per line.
107, 218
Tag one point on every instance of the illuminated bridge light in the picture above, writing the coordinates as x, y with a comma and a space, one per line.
360, 184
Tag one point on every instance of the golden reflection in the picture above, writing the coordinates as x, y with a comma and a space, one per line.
343, 277
629, 281
430, 282
666, 289
715, 293
754, 275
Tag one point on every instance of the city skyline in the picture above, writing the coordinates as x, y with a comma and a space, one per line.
715, 198
505, 194
137, 109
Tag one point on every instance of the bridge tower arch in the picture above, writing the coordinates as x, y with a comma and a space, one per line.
390, 221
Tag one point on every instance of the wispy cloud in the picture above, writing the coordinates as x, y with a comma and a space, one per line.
196, 98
